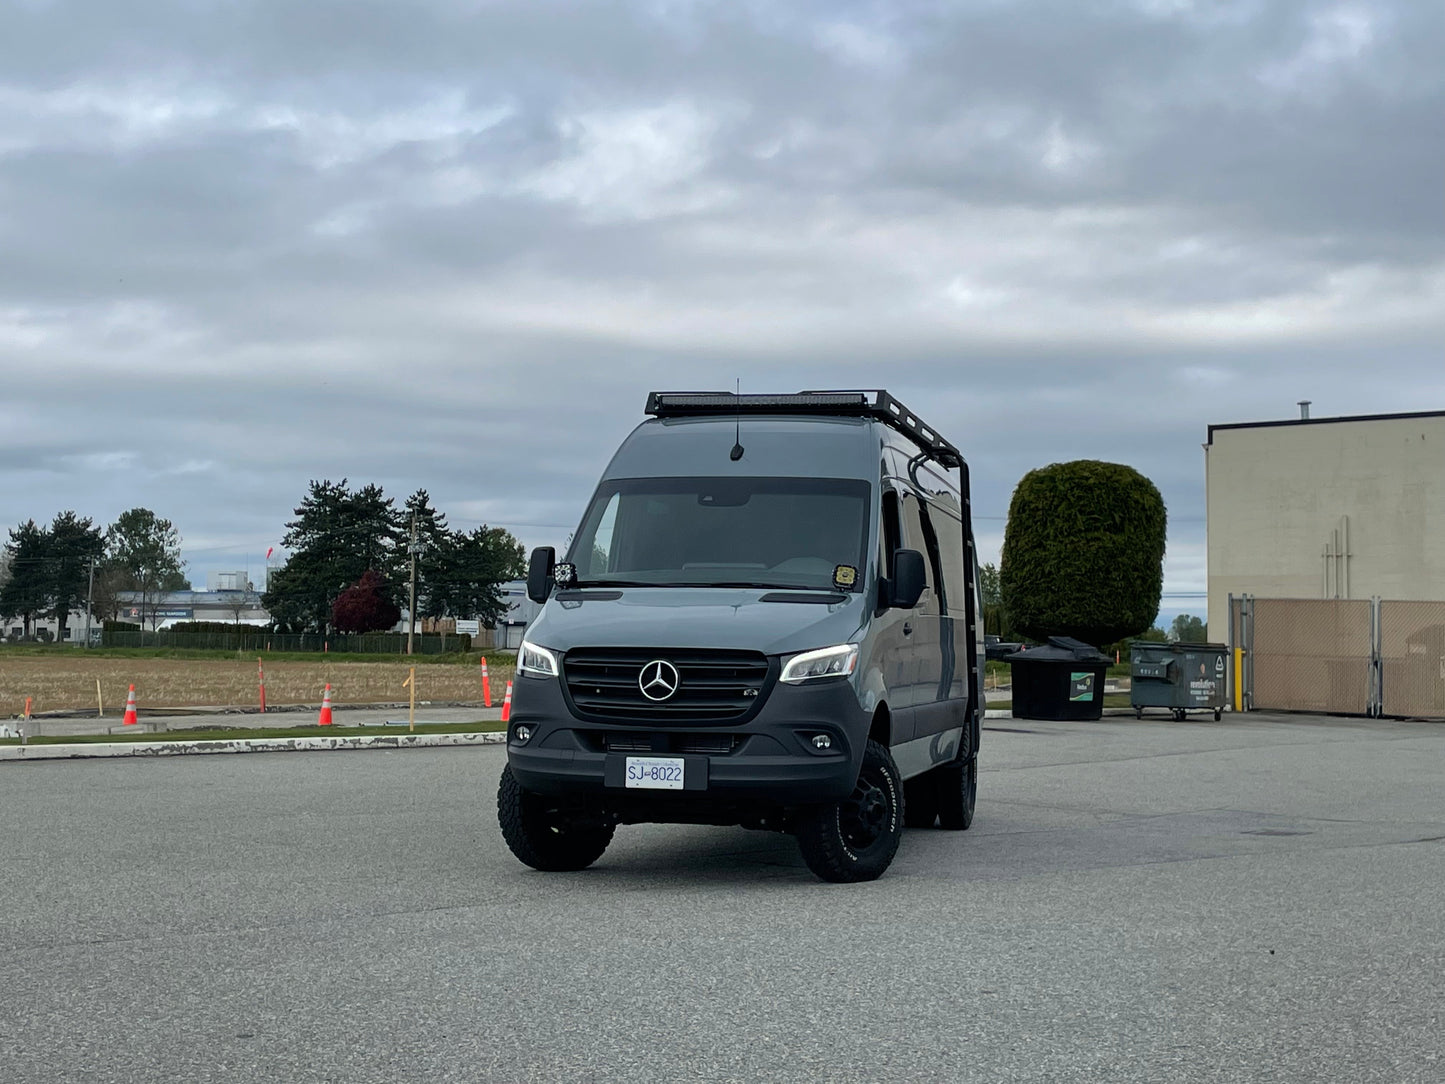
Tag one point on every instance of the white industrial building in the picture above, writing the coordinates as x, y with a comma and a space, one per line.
1326, 541
1326, 508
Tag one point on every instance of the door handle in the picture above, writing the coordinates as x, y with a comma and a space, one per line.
908, 628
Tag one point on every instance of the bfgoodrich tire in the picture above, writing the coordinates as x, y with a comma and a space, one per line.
542, 834
956, 790
856, 839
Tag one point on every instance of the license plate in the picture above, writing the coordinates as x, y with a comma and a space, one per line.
654, 773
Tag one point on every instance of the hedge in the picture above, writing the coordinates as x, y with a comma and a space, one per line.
1083, 552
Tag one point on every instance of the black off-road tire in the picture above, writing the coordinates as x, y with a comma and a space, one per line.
920, 801
856, 839
544, 835
956, 786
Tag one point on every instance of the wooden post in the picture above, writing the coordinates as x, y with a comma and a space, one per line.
99, 703
410, 683
261, 682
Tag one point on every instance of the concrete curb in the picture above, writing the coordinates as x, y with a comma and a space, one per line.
87, 750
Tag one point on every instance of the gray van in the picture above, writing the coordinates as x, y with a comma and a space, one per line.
768, 617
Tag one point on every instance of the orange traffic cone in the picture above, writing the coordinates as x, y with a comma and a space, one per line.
129, 719
325, 717
486, 684
507, 704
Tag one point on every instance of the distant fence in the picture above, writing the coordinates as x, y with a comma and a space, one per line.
374, 643
1351, 656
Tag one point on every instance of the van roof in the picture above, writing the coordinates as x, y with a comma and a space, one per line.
872, 403
804, 447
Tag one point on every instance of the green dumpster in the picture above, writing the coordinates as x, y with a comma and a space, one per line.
1178, 677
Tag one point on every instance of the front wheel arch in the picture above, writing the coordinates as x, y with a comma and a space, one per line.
881, 729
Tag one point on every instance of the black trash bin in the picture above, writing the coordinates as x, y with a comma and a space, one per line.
1063, 679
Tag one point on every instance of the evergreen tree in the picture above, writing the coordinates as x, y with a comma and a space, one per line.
995, 622
433, 539
1188, 629
146, 551
478, 563
1083, 553
73, 543
336, 538
26, 593
988, 585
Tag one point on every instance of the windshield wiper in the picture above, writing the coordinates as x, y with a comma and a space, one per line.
617, 583
746, 584
759, 586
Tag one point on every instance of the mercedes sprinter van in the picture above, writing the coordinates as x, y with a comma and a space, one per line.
768, 617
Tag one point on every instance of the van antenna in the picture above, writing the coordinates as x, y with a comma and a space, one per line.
737, 452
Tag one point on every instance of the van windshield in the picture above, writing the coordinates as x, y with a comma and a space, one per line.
714, 532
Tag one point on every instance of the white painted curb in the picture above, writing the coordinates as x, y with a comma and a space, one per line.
84, 750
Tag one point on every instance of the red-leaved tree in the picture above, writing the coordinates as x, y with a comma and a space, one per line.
364, 607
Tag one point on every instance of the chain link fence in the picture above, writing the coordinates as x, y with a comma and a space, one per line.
1412, 658
381, 643
1312, 655
1342, 656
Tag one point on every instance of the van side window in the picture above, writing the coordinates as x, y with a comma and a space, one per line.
935, 560
915, 538
599, 560
892, 533
953, 554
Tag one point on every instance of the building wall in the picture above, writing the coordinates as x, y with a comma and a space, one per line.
74, 629
1279, 496
195, 606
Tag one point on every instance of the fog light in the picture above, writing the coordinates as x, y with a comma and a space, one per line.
524, 734
822, 741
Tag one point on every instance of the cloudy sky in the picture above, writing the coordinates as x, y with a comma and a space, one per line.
247, 243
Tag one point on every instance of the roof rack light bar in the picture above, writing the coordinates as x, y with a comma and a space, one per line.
864, 403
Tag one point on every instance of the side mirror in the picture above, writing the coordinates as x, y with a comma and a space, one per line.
539, 573
908, 579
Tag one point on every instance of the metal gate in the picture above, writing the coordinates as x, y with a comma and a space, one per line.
1345, 656
1412, 658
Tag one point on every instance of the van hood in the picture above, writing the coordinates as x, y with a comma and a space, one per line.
695, 617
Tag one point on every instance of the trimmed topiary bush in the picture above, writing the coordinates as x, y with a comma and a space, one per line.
1083, 553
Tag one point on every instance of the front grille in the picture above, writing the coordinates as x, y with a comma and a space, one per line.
710, 744
713, 686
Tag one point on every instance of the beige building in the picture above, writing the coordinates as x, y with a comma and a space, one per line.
1326, 508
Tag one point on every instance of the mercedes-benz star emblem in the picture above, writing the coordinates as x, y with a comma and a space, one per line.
658, 680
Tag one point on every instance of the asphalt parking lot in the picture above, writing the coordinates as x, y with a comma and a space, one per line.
1253, 900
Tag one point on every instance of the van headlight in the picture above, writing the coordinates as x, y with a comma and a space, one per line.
534, 661
825, 662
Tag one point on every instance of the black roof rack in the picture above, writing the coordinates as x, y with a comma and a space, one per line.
865, 403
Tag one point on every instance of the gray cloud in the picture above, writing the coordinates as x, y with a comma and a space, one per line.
453, 245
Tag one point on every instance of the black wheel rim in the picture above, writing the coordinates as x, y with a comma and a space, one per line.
867, 815
550, 818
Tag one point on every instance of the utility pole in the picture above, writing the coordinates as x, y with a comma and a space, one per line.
89, 601
411, 608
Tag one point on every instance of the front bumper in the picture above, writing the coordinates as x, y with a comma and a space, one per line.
768, 760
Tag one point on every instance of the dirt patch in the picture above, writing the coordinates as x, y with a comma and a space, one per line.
68, 683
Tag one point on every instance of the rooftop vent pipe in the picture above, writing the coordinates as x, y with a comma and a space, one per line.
1304, 409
